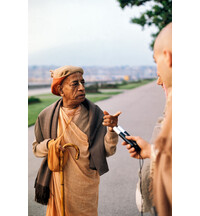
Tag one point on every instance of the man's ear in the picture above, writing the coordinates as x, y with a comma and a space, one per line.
60, 91
168, 57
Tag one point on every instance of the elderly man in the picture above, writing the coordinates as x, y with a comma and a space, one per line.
73, 119
161, 152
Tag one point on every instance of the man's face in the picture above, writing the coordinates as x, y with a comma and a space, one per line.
163, 69
73, 90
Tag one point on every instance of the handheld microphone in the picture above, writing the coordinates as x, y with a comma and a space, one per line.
122, 133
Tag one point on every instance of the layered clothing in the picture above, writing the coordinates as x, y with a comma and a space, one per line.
96, 144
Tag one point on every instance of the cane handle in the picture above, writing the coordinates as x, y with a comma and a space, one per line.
76, 148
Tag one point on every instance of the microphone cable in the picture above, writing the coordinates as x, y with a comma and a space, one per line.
141, 163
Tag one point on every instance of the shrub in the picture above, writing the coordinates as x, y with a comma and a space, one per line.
92, 89
32, 100
108, 86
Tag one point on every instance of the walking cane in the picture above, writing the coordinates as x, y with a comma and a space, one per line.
61, 173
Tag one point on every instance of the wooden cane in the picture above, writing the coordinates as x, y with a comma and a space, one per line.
62, 175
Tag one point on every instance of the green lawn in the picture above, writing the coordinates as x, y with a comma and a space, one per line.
36, 108
47, 99
134, 84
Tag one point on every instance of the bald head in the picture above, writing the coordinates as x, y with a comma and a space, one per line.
163, 56
164, 39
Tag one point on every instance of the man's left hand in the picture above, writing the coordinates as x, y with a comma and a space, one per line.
110, 120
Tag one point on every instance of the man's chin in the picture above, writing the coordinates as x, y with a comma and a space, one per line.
80, 99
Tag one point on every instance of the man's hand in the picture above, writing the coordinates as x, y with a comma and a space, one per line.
58, 146
144, 145
110, 120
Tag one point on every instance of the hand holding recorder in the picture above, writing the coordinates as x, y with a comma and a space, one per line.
135, 145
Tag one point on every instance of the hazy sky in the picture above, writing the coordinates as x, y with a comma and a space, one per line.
86, 32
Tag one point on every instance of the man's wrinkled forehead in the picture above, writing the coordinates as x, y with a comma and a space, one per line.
74, 77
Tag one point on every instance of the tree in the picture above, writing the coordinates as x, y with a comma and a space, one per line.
159, 15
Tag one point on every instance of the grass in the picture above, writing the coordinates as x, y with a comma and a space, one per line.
135, 84
36, 108
47, 99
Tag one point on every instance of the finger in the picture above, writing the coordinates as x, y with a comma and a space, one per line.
128, 146
131, 138
133, 154
107, 121
124, 143
61, 148
131, 150
106, 117
107, 124
105, 113
117, 114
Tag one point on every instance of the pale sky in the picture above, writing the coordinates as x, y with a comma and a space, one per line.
85, 33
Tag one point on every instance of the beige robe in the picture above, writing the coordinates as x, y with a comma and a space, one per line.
81, 184
162, 184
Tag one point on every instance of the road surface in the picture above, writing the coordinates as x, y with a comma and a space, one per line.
140, 109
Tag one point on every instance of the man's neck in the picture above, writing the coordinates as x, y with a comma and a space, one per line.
69, 105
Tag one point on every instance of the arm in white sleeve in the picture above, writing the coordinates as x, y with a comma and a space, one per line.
110, 140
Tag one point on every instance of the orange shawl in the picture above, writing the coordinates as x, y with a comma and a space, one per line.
162, 184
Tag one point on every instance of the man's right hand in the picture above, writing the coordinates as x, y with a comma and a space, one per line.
144, 145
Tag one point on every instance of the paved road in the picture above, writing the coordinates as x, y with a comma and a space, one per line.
38, 91
140, 109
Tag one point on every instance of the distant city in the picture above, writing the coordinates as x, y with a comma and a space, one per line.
40, 74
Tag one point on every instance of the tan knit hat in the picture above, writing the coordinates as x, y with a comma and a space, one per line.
60, 74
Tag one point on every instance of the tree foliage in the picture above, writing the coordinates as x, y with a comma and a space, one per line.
159, 15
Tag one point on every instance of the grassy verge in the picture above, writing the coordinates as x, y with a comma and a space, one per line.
132, 85
47, 99
36, 108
